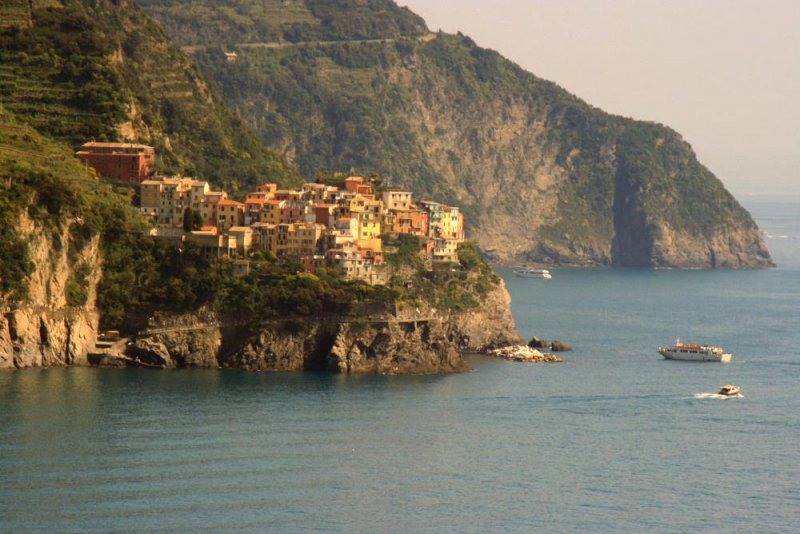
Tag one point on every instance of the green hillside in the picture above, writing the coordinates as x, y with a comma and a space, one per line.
43, 180
103, 70
540, 174
200, 22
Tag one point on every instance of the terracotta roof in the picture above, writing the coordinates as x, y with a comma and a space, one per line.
97, 144
229, 202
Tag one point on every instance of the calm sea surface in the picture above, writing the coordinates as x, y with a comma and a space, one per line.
613, 439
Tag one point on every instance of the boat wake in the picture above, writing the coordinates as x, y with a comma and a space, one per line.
717, 396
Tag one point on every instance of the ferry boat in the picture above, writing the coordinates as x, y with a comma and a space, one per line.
695, 353
527, 272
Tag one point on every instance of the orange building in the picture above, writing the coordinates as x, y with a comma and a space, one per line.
122, 162
410, 221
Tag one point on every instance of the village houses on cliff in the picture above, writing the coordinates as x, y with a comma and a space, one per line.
319, 225
338, 226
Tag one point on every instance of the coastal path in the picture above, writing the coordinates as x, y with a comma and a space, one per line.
191, 49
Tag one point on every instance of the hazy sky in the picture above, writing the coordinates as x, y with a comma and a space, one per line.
723, 73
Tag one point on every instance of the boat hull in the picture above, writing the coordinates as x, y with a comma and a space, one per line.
699, 356
533, 273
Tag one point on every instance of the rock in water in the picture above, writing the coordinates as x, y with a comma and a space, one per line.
559, 346
521, 353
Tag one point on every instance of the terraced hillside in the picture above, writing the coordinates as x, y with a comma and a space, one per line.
15, 13
202, 22
103, 70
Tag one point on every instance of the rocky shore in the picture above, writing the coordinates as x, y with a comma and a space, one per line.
523, 353
410, 341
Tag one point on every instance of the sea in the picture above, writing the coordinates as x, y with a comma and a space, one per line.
614, 439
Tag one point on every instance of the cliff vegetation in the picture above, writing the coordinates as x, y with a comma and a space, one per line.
105, 71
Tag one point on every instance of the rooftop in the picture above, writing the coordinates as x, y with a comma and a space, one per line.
97, 144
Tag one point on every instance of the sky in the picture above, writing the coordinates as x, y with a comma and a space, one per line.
725, 74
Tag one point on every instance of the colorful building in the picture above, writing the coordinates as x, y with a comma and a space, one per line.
318, 225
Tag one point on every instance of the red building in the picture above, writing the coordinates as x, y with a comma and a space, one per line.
122, 162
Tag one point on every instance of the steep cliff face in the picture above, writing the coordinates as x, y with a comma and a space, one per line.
322, 344
490, 325
541, 174
419, 341
45, 330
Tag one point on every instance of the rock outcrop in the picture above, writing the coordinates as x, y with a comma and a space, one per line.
393, 348
415, 341
523, 353
555, 345
488, 326
44, 331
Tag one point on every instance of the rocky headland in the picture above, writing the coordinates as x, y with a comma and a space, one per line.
410, 340
45, 331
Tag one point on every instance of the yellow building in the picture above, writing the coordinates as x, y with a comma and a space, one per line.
165, 200
397, 200
369, 225
273, 210
445, 250
303, 239
444, 222
244, 239
229, 213
208, 207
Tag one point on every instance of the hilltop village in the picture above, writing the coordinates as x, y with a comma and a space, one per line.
337, 225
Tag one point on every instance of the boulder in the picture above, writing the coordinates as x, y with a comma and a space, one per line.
537, 343
559, 346
150, 353
521, 353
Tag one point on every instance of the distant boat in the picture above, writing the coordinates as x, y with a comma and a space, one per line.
729, 390
695, 353
527, 272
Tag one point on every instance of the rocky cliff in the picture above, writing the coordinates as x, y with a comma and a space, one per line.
44, 330
414, 341
541, 174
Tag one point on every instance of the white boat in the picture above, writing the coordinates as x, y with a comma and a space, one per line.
729, 390
695, 353
527, 272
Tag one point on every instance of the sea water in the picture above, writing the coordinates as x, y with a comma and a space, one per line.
615, 438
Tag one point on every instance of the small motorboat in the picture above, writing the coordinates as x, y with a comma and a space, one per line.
729, 390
